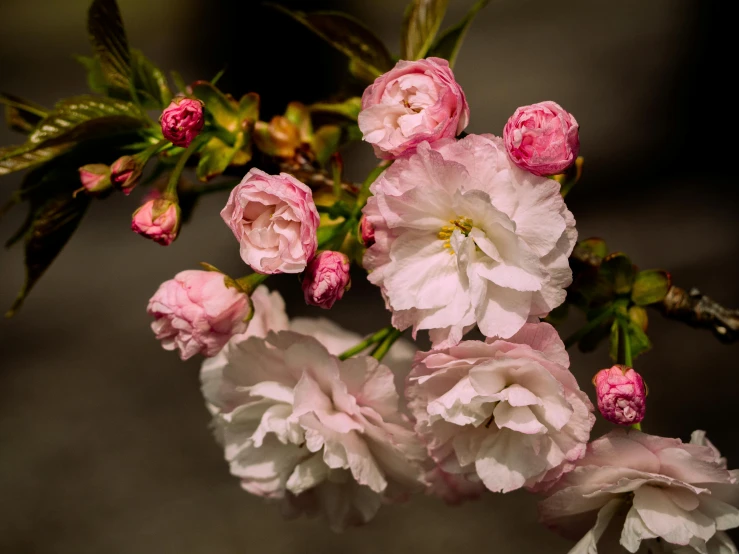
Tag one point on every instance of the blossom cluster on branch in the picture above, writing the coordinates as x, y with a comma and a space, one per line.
458, 232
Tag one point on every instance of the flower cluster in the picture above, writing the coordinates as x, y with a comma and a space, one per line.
458, 233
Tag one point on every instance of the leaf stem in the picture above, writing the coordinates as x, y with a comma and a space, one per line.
589, 326
366, 343
379, 352
626, 342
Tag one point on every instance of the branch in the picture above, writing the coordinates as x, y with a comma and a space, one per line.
698, 310
691, 307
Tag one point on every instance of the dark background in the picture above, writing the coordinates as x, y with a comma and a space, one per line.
104, 444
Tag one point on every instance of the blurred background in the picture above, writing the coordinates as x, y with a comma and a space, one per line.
104, 439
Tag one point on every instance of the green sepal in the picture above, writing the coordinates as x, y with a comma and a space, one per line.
650, 286
619, 271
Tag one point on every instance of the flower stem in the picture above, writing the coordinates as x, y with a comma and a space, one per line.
589, 326
250, 282
174, 177
379, 352
369, 341
626, 341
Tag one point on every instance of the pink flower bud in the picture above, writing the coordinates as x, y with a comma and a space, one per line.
366, 232
95, 177
182, 121
158, 220
621, 395
542, 138
326, 278
196, 312
125, 173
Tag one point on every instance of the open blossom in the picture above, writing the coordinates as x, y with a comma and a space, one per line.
182, 121
415, 101
506, 412
317, 433
197, 313
326, 279
158, 220
542, 138
275, 220
621, 395
463, 237
671, 496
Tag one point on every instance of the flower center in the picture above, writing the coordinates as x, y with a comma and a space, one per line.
464, 224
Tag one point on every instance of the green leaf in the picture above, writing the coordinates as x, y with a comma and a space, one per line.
326, 142
86, 117
619, 271
299, 115
21, 115
53, 224
650, 286
216, 156
349, 108
149, 82
368, 55
96, 80
593, 249
221, 108
420, 25
450, 41
108, 38
24, 159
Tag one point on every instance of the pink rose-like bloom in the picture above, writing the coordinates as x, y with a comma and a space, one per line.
125, 173
366, 232
275, 220
182, 120
95, 177
158, 220
621, 395
542, 138
463, 237
326, 279
505, 412
413, 102
197, 313
675, 497
316, 433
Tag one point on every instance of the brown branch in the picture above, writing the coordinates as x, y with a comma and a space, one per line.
691, 307
698, 310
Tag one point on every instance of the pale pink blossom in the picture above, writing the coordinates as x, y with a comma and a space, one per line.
196, 312
317, 433
542, 138
158, 220
506, 412
95, 177
326, 279
366, 232
465, 238
275, 220
182, 121
663, 495
415, 101
621, 395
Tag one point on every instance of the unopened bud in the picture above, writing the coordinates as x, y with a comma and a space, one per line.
158, 220
95, 177
182, 121
125, 173
621, 395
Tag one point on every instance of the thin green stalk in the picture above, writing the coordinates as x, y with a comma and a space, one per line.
626, 342
250, 282
366, 343
174, 177
577, 335
22, 107
382, 348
